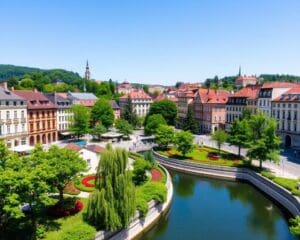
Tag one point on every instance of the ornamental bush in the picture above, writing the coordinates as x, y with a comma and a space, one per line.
65, 208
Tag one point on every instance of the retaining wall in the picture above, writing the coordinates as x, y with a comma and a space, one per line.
140, 225
280, 194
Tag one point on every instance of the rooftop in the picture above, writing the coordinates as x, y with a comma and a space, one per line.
213, 96
250, 92
5, 94
83, 96
279, 85
136, 94
35, 99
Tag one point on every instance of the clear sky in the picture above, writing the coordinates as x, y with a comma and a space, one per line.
153, 41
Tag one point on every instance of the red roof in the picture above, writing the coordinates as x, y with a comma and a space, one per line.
292, 95
213, 96
244, 78
95, 148
279, 85
35, 99
250, 92
73, 146
136, 94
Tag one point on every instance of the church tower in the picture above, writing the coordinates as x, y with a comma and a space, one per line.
87, 71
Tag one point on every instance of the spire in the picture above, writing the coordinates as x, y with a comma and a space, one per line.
240, 71
87, 71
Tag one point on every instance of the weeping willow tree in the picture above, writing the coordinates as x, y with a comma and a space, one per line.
112, 205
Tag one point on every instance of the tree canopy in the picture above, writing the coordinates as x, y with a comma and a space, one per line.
124, 127
166, 108
220, 137
102, 112
184, 142
164, 135
153, 122
129, 115
80, 120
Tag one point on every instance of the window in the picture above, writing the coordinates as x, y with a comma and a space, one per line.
15, 114
8, 129
16, 128
23, 127
7, 103
15, 103
23, 141
22, 114
7, 114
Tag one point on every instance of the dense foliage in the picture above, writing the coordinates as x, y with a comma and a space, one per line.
166, 108
112, 205
184, 142
128, 113
220, 137
164, 136
124, 128
190, 123
81, 120
102, 112
153, 122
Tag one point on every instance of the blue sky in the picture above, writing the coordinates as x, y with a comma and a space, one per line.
153, 41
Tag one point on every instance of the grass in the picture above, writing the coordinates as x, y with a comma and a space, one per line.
69, 224
80, 186
287, 183
201, 155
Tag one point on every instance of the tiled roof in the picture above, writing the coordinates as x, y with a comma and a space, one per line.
244, 78
5, 94
114, 104
213, 96
83, 96
250, 92
35, 99
73, 146
136, 94
163, 96
279, 85
58, 100
292, 95
94, 148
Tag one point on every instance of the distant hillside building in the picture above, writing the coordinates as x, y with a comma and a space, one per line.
116, 109
156, 89
125, 88
41, 116
141, 102
243, 81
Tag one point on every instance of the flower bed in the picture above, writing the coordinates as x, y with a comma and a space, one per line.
65, 208
156, 175
86, 181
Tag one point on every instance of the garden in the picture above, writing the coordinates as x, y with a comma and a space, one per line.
206, 155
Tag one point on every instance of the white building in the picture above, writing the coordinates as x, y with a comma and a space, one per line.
269, 91
140, 100
90, 153
286, 111
13, 118
64, 114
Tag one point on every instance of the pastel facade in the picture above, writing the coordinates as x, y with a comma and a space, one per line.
141, 102
210, 109
243, 81
13, 118
85, 99
245, 98
124, 88
286, 111
41, 115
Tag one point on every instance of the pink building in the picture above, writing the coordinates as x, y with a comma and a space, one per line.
210, 109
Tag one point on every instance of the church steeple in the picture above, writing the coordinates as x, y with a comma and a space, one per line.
87, 75
240, 71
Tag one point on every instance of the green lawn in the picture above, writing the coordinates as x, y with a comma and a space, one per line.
202, 155
69, 224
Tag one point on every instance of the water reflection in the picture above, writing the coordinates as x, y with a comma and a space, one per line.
211, 209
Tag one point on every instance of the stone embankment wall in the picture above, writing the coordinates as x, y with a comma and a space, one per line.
278, 193
139, 225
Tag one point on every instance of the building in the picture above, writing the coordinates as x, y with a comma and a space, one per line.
13, 118
141, 102
85, 99
125, 88
185, 99
116, 109
286, 111
245, 98
210, 109
269, 91
90, 153
41, 115
243, 81
64, 114
156, 89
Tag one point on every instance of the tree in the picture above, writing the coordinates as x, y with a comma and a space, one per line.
112, 205
166, 108
184, 142
98, 130
264, 144
80, 121
102, 112
146, 88
190, 123
12, 82
239, 134
295, 226
140, 167
128, 114
220, 137
164, 136
153, 123
27, 83
65, 164
124, 127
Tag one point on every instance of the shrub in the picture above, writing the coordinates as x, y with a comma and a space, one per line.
296, 192
295, 226
139, 172
79, 232
268, 175
67, 207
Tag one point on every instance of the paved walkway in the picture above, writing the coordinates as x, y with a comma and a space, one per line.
288, 166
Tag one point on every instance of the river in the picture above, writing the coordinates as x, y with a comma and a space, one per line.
211, 209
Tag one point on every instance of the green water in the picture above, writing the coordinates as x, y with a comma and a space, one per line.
211, 209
